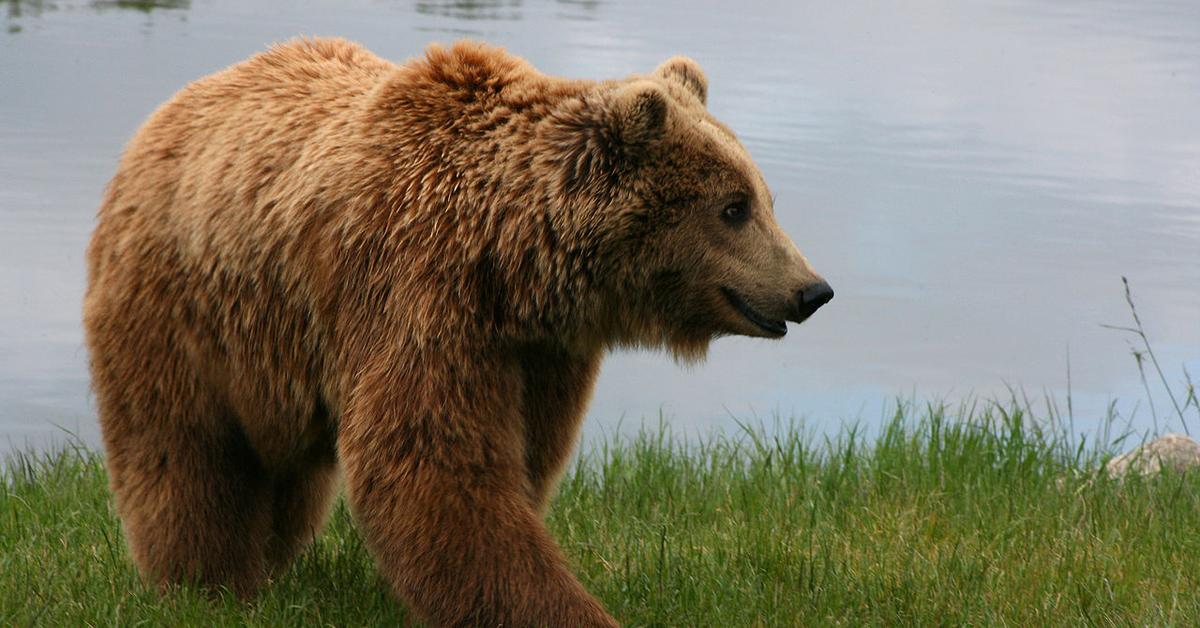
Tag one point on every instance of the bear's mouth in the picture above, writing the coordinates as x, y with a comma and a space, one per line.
767, 324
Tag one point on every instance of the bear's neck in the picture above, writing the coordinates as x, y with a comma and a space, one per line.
475, 201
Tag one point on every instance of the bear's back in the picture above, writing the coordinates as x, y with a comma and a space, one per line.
221, 169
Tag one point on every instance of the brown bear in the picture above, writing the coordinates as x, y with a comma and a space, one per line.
317, 260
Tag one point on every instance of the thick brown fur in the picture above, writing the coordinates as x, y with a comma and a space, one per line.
317, 259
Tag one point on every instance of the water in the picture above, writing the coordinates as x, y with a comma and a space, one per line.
973, 178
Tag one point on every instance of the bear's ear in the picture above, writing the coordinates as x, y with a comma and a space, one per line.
606, 129
686, 72
639, 111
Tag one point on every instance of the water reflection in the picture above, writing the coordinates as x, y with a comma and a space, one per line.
17, 10
578, 9
490, 10
500, 10
14, 10
145, 6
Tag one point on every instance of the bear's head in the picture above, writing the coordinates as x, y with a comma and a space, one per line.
685, 221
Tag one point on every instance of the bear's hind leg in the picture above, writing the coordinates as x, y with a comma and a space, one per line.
189, 487
192, 499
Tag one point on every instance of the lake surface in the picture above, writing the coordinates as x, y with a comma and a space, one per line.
972, 178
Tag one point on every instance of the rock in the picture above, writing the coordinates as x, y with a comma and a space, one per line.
1175, 451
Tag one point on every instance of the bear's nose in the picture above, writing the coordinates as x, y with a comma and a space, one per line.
811, 298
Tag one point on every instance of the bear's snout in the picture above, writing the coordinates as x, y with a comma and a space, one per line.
810, 299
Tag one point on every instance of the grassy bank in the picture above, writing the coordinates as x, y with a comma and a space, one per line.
980, 519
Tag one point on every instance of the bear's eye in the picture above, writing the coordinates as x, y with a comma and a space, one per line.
736, 212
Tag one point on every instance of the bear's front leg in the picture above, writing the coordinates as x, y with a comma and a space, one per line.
558, 385
433, 454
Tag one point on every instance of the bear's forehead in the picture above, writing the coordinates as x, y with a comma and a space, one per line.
730, 151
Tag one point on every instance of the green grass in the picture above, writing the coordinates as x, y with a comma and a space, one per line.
937, 520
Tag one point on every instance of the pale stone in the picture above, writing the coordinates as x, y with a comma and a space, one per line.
1175, 451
